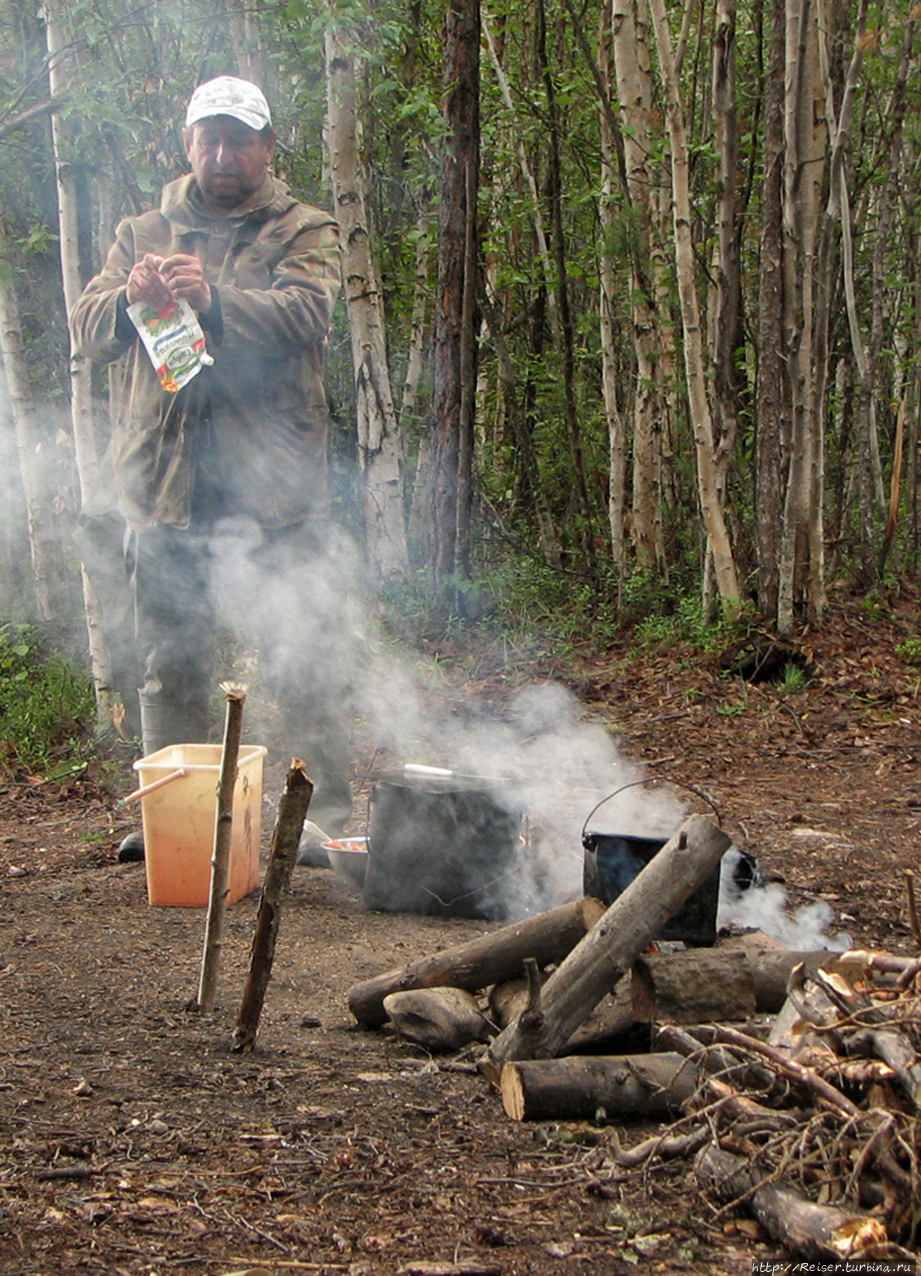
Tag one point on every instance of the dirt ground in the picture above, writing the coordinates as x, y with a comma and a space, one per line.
134, 1141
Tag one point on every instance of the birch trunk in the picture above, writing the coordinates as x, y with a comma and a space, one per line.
247, 38
380, 447
81, 389
44, 549
607, 212
707, 474
634, 93
728, 337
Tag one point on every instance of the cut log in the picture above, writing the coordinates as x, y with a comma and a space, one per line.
771, 965
579, 1087
818, 1232
611, 947
692, 986
611, 1018
484, 961
439, 1019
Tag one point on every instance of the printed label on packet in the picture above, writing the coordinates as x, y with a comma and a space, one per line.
174, 340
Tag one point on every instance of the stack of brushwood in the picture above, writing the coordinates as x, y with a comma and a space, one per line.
792, 1079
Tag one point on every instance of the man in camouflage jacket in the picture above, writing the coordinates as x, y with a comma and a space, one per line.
227, 479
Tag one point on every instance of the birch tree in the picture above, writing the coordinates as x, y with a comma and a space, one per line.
710, 494
380, 446
81, 390
44, 545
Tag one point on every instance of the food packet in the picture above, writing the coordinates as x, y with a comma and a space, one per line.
174, 340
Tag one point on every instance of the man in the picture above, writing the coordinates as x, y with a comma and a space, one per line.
223, 485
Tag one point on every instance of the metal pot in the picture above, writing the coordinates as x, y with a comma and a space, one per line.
441, 845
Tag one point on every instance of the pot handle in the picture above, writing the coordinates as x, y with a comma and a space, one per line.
654, 779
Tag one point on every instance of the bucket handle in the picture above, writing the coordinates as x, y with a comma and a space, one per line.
154, 785
654, 779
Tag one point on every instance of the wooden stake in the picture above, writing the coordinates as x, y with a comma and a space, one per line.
220, 858
292, 811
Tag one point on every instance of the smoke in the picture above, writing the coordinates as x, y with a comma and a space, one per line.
766, 907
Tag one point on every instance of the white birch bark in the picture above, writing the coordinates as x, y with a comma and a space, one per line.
44, 550
650, 341
81, 391
380, 445
708, 487
607, 211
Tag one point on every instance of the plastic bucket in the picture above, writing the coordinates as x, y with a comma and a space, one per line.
179, 815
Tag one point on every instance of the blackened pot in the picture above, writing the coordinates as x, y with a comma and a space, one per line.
445, 847
613, 860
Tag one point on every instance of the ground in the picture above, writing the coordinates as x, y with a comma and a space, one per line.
135, 1141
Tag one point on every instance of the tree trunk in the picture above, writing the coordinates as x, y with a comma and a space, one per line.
772, 420
804, 150
44, 547
567, 331
380, 444
81, 389
727, 319
711, 499
634, 94
247, 38
455, 355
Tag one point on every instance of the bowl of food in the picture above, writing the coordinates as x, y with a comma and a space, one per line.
348, 858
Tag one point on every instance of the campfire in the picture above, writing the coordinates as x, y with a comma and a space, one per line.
790, 1081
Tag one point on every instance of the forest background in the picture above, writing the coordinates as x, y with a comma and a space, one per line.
631, 291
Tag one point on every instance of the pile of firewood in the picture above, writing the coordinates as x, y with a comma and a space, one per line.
792, 1079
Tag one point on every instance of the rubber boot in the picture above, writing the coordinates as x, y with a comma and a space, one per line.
164, 722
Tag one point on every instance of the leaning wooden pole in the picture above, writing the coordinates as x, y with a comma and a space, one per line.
610, 948
220, 858
292, 811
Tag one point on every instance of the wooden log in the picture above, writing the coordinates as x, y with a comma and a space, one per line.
292, 810
439, 1019
611, 947
611, 1018
578, 1087
818, 1232
771, 965
692, 986
486, 960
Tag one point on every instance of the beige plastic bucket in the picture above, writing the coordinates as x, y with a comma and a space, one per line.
179, 809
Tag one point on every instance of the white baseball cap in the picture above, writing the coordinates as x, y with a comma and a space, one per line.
229, 96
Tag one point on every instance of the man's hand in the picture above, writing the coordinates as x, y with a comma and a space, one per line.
147, 285
156, 281
185, 278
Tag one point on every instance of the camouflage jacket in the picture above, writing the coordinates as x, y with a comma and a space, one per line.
249, 431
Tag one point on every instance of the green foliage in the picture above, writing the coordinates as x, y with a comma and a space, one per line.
909, 651
794, 678
687, 624
47, 706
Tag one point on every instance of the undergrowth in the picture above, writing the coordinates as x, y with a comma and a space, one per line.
47, 706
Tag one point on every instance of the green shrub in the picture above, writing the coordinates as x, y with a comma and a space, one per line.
47, 706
